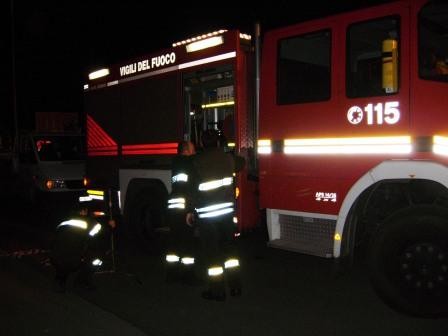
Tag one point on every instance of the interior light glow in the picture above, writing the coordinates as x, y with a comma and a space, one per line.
362, 145
264, 146
98, 73
204, 44
228, 103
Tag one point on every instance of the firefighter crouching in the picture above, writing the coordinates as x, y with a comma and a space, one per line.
180, 254
215, 207
75, 251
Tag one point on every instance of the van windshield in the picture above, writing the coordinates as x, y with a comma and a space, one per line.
60, 147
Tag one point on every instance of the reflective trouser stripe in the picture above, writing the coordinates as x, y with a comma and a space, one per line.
172, 258
187, 261
97, 262
231, 263
215, 271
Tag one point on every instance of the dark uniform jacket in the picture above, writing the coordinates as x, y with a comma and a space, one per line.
215, 180
182, 184
72, 244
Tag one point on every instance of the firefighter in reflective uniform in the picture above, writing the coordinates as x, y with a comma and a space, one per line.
214, 207
74, 251
180, 256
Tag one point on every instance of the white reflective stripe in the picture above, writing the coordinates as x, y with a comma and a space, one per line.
97, 262
215, 207
216, 213
210, 185
187, 261
176, 200
85, 199
172, 258
176, 206
231, 263
214, 271
180, 178
75, 222
95, 230
97, 197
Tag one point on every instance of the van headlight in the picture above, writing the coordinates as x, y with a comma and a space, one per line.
55, 184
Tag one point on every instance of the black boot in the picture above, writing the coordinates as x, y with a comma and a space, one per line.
234, 281
172, 273
216, 289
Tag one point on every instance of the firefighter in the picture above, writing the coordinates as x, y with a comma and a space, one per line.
180, 256
73, 252
214, 208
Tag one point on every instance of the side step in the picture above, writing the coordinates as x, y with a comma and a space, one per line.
294, 246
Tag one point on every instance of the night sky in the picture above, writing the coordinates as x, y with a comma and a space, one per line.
57, 43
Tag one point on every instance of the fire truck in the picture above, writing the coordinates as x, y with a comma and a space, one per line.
346, 153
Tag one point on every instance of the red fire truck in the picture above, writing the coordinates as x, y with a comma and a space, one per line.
351, 138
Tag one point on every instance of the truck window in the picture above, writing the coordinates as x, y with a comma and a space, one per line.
303, 69
433, 41
60, 148
364, 56
210, 103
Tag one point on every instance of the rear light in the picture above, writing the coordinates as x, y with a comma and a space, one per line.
85, 181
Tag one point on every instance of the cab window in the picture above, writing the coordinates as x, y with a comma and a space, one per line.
433, 41
303, 69
365, 56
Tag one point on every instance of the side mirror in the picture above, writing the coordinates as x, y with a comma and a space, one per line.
390, 65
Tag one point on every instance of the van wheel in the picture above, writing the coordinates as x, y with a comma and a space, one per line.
409, 261
144, 217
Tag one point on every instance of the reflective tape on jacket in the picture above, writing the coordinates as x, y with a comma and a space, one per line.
215, 210
95, 230
215, 184
76, 223
182, 177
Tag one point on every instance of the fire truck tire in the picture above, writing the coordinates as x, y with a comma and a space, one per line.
143, 216
408, 261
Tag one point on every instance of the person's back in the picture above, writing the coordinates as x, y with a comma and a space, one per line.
215, 206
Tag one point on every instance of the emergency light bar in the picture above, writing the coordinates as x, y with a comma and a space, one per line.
98, 73
200, 37
204, 44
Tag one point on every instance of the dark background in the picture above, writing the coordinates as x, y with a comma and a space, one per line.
57, 43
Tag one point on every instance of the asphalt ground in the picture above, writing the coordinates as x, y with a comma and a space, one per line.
284, 293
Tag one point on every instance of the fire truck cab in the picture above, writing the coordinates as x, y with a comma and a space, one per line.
353, 145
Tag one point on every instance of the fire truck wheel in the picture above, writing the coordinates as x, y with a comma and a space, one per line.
143, 217
409, 261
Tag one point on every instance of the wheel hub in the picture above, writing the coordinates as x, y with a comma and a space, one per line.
424, 267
